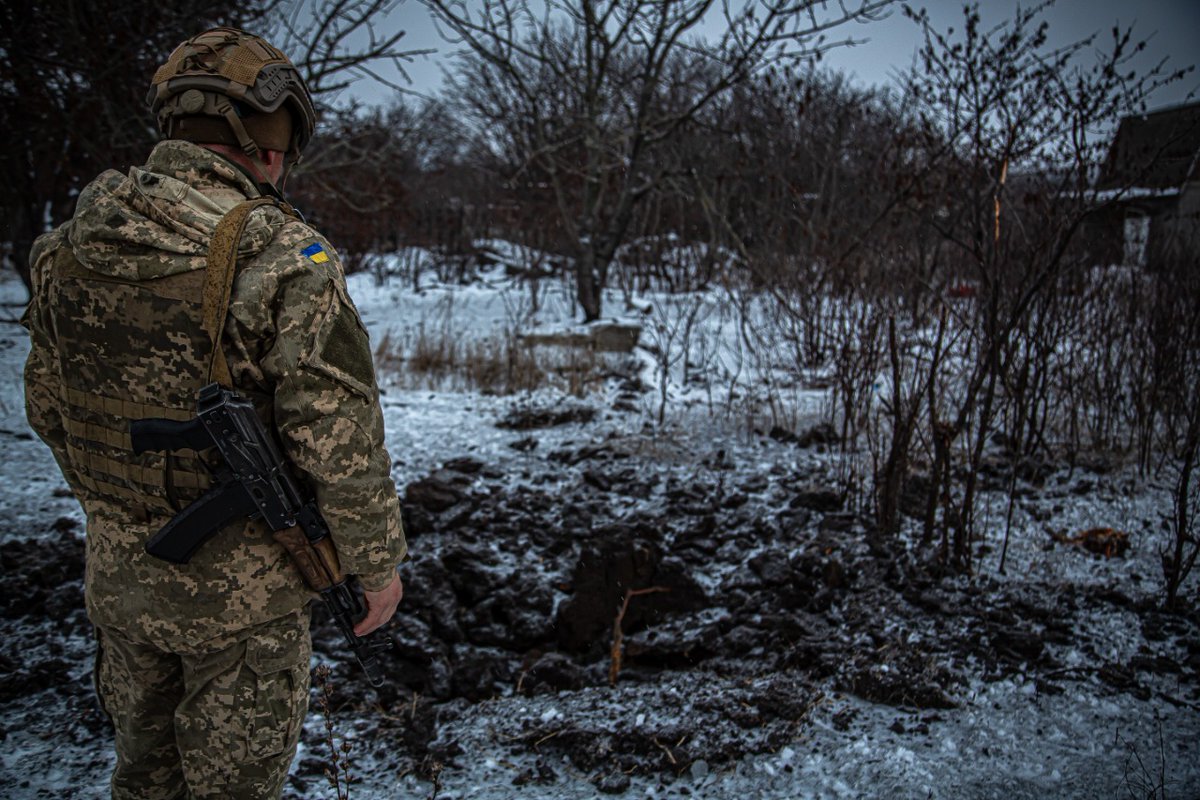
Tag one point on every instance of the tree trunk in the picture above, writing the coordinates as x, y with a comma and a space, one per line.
23, 231
20, 259
1177, 564
588, 286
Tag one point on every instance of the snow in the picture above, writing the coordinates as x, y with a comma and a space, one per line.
30, 474
1136, 193
1006, 739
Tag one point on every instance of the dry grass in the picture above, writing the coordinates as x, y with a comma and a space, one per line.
441, 359
502, 367
434, 354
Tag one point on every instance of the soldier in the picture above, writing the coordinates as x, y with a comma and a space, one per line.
203, 667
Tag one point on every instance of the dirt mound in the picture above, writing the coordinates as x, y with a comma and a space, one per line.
713, 720
532, 417
753, 591
42, 577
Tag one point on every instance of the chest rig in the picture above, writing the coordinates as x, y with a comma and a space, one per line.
132, 349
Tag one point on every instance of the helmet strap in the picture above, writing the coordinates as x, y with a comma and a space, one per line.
225, 109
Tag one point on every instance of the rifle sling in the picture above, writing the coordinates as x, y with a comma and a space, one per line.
218, 279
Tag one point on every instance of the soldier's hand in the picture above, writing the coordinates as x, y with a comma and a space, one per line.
380, 607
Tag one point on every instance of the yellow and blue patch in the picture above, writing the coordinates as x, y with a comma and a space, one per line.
316, 253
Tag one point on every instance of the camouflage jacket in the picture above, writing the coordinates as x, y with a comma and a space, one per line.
114, 322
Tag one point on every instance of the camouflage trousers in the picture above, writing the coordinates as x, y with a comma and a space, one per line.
221, 724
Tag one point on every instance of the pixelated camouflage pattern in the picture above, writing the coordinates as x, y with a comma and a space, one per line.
116, 314
220, 724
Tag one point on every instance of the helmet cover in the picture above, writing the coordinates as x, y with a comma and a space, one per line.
226, 85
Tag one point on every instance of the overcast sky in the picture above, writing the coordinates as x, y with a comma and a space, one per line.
1172, 28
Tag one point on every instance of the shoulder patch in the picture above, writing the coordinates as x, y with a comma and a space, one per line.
316, 253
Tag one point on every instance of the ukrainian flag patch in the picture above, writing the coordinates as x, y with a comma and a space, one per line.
316, 253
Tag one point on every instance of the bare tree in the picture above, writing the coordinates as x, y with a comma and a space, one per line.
673, 321
1173, 334
1026, 127
369, 180
73, 81
589, 92
337, 42
1180, 556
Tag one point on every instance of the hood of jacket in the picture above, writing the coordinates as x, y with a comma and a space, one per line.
158, 220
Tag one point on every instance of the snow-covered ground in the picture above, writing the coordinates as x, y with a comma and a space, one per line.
1007, 737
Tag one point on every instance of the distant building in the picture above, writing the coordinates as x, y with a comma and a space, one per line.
1152, 178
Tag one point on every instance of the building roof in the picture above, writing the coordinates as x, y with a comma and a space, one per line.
1158, 150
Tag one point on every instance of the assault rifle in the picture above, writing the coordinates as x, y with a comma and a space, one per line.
253, 481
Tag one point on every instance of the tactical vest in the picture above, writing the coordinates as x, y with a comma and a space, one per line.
134, 349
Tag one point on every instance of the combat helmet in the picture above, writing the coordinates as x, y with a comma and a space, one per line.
231, 87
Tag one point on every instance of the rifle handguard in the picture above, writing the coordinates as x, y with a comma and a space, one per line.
317, 562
